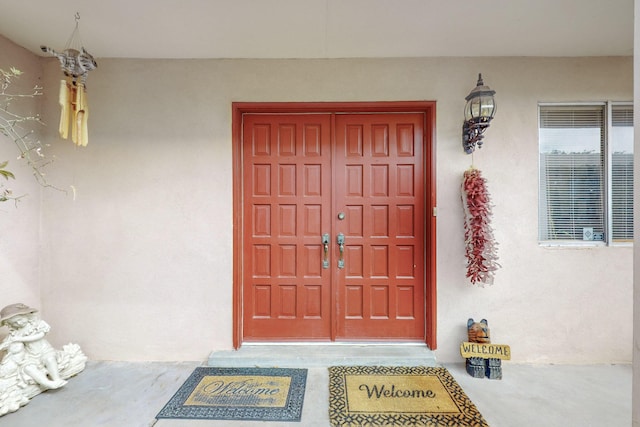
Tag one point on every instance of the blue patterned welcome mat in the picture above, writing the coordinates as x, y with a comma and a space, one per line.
266, 394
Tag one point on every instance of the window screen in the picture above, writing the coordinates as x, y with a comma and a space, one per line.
571, 205
621, 141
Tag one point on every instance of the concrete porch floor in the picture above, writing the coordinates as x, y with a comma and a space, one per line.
128, 394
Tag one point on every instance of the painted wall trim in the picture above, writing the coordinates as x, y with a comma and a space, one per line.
426, 107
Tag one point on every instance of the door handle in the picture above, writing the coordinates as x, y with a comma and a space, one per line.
325, 245
340, 240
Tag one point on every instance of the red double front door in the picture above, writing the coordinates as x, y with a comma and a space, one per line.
333, 227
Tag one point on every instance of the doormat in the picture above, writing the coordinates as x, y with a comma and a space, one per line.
266, 394
398, 396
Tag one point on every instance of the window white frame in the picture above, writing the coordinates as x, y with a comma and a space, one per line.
606, 177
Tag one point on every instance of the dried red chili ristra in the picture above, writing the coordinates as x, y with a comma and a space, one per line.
480, 245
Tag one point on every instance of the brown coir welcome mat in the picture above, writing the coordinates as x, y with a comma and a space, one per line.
398, 396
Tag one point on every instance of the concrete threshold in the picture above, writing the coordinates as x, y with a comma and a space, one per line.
323, 355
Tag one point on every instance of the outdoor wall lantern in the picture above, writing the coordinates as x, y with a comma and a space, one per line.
478, 113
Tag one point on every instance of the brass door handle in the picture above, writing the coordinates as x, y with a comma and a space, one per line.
325, 245
340, 240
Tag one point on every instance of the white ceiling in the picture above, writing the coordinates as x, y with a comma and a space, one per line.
324, 28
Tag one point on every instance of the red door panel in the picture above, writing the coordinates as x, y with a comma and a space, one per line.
287, 195
379, 187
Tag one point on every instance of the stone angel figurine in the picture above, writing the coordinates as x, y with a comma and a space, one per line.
31, 365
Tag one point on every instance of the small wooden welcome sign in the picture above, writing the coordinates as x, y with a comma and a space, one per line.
485, 351
482, 357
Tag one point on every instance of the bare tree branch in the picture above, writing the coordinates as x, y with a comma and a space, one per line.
19, 129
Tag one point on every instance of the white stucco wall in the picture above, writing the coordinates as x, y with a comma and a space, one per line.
20, 225
139, 265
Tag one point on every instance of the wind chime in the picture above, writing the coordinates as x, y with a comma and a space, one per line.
76, 63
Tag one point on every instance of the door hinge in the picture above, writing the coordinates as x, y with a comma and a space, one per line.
435, 211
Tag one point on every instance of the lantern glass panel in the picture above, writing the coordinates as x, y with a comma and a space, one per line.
487, 107
480, 108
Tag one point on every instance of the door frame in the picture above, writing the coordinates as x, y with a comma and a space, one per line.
428, 108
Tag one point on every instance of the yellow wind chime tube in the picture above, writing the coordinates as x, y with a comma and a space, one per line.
74, 112
64, 99
80, 116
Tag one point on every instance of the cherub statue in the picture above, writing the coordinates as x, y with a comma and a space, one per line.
31, 365
30, 331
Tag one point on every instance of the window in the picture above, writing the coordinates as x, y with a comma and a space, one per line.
586, 173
